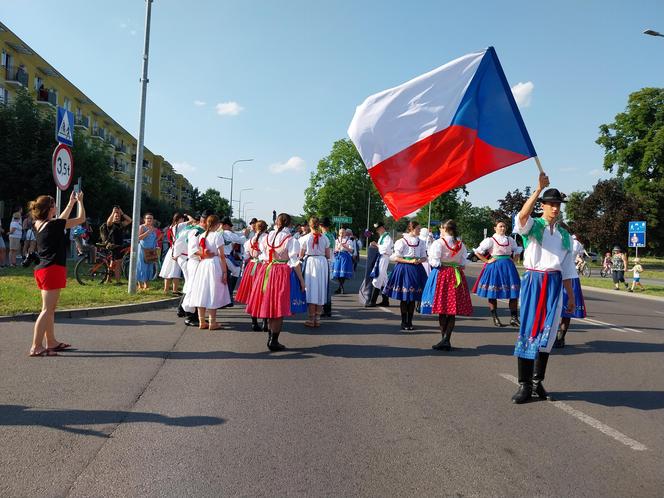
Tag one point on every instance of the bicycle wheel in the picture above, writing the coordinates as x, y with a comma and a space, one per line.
157, 269
87, 273
125, 265
603, 273
586, 271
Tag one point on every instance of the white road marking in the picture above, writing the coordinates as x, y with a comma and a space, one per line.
611, 326
592, 422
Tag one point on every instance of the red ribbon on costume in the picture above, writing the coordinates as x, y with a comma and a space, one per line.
273, 248
169, 236
540, 316
203, 247
454, 250
316, 237
477, 282
410, 245
501, 245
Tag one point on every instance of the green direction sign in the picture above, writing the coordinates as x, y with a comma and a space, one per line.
342, 219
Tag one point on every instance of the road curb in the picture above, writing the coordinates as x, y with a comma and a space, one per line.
119, 309
623, 292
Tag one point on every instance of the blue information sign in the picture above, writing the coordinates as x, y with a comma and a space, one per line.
636, 236
64, 127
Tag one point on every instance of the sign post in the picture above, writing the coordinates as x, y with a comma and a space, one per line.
63, 171
636, 235
341, 219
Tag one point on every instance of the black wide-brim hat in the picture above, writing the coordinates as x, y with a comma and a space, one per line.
552, 195
379, 224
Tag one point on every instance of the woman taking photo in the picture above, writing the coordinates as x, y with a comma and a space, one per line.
147, 254
407, 280
51, 272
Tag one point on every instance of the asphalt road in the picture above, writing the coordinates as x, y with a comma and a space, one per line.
147, 407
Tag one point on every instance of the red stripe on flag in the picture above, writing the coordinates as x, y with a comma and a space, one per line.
445, 160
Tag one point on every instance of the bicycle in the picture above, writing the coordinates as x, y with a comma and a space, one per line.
583, 268
605, 271
99, 271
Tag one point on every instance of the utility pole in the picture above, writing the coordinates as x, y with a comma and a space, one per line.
138, 170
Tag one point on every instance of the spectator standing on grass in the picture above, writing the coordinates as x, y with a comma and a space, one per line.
30, 243
51, 271
15, 236
114, 229
147, 253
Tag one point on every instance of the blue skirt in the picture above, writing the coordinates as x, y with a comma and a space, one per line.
541, 320
406, 283
429, 292
498, 280
343, 265
580, 310
298, 298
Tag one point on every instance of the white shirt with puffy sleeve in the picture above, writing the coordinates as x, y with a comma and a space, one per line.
550, 254
447, 250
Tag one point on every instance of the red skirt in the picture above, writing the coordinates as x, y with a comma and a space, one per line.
274, 301
52, 277
248, 276
448, 299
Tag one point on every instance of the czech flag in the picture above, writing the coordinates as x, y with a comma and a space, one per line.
439, 131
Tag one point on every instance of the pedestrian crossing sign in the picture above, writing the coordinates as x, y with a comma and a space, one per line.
64, 127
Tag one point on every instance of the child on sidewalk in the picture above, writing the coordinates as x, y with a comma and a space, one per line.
637, 270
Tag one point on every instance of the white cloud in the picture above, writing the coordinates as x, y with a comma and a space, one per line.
295, 163
133, 32
229, 108
523, 93
184, 168
123, 25
199, 103
595, 172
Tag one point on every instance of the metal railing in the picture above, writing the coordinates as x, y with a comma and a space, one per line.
17, 74
47, 96
82, 121
98, 132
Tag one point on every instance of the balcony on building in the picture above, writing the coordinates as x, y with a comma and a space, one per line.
121, 148
82, 122
16, 76
99, 133
47, 97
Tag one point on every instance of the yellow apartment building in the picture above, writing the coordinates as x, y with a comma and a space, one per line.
22, 67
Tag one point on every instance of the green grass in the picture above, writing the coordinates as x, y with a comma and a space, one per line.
607, 283
19, 293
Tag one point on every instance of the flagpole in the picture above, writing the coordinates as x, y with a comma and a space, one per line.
539, 164
429, 224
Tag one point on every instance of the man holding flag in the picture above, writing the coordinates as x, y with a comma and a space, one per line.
446, 128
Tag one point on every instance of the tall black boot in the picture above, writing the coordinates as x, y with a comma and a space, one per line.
560, 336
538, 377
496, 320
409, 315
374, 298
514, 320
525, 391
327, 309
273, 343
232, 281
385, 302
191, 320
265, 326
442, 322
255, 326
449, 327
403, 305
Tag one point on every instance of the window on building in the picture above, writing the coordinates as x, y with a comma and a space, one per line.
4, 96
67, 104
38, 83
3, 59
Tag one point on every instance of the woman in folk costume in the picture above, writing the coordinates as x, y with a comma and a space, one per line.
446, 292
170, 270
271, 295
344, 248
499, 278
549, 264
315, 247
253, 270
407, 280
578, 251
193, 260
209, 289
426, 237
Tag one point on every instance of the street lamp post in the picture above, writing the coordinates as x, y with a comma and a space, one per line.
239, 202
232, 176
138, 173
652, 32
245, 209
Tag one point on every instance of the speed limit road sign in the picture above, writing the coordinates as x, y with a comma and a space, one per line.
63, 166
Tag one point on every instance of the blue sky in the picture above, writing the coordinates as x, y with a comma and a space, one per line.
279, 81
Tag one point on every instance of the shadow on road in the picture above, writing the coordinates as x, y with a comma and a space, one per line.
114, 322
640, 400
65, 420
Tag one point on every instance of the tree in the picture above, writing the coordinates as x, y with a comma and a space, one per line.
472, 221
601, 218
511, 204
341, 186
574, 205
634, 147
211, 199
444, 207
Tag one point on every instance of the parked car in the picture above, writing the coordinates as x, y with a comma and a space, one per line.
593, 256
